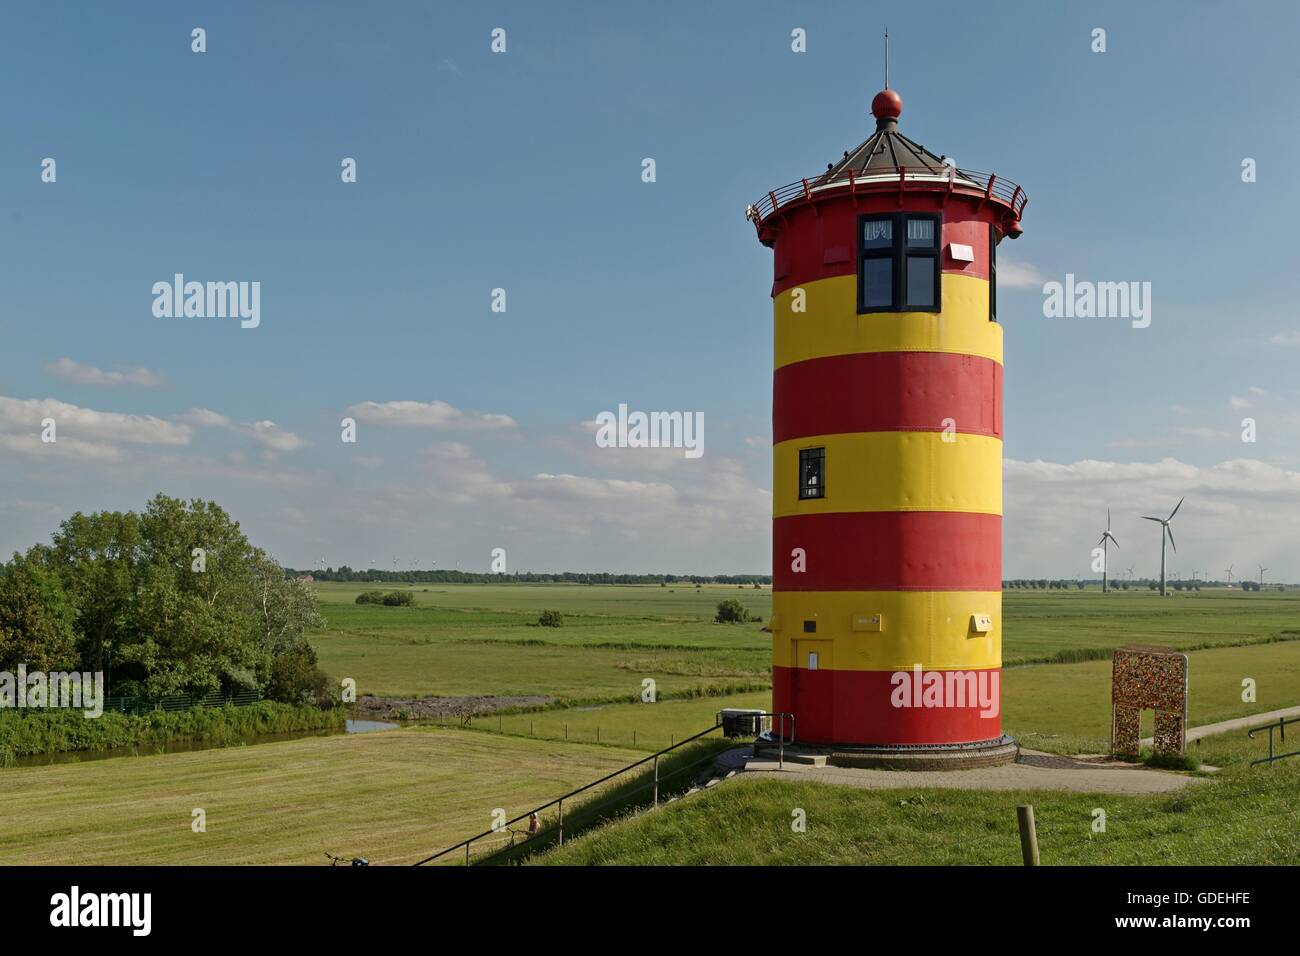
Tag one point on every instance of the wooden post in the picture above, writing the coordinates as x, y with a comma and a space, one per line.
1028, 835
656, 780
561, 822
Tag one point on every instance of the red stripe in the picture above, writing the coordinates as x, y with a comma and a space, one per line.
889, 551
820, 244
855, 707
887, 391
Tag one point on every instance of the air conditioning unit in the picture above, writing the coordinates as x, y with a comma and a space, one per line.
741, 722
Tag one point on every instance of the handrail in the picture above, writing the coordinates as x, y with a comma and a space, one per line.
988, 185
654, 757
1280, 726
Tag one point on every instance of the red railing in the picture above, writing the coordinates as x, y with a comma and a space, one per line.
919, 177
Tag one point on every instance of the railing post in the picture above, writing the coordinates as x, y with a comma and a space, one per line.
1028, 835
780, 746
561, 821
467, 852
656, 780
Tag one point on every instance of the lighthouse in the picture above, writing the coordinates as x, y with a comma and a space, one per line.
887, 452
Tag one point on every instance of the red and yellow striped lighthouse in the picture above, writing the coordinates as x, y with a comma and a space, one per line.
887, 447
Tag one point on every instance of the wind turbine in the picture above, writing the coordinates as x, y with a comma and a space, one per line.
1228, 572
1165, 531
1129, 572
1106, 539
1262, 569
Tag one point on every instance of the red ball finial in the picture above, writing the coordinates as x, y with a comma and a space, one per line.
887, 105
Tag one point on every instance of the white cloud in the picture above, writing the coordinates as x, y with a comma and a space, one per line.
80, 374
434, 414
1016, 274
72, 421
268, 434
1285, 338
1240, 510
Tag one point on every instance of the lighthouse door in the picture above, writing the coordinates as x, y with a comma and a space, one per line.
814, 691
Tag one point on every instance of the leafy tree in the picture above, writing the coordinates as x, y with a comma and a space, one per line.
36, 619
551, 618
97, 559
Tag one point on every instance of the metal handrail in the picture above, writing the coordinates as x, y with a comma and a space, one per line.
559, 801
989, 184
1280, 726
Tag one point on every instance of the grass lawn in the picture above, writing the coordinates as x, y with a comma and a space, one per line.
1243, 815
394, 797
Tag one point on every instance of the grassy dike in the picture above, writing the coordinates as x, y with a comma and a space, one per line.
1241, 815
27, 733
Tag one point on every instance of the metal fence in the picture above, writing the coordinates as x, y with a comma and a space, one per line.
142, 705
906, 179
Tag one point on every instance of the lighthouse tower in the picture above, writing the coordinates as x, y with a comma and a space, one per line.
887, 452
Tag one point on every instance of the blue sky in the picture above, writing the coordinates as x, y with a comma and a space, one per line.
522, 171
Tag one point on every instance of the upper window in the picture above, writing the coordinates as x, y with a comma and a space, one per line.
993, 273
898, 262
812, 473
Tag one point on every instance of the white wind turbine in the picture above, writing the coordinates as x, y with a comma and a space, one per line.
1228, 572
1262, 569
1104, 543
1165, 532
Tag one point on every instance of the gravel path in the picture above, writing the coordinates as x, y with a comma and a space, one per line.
1034, 770
1239, 723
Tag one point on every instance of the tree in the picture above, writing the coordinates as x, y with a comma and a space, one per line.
96, 558
36, 619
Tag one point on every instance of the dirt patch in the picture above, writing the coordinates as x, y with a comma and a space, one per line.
396, 708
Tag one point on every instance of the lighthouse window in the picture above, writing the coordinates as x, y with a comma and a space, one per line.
920, 232
898, 263
812, 473
878, 283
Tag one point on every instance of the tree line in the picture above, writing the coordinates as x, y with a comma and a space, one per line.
345, 573
171, 600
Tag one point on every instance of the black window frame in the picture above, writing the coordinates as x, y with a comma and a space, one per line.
993, 273
899, 253
806, 454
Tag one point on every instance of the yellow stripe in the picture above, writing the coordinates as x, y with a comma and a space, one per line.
830, 324
893, 471
930, 628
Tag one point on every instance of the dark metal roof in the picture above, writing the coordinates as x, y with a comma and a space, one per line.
886, 151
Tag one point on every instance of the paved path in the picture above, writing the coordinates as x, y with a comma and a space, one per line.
1239, 723
1034, 770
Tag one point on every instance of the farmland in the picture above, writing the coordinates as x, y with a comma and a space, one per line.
397, 795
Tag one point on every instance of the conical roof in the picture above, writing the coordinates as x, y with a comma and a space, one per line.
886, 150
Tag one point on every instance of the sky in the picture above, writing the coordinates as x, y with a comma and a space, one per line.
522, 171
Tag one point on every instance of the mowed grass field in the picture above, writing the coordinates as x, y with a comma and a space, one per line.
393, 796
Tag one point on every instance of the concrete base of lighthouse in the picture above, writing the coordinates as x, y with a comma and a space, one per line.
965, 756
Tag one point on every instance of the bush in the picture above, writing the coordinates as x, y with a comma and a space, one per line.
296, 679
551, 618
370, 597
399, 599
731, 611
